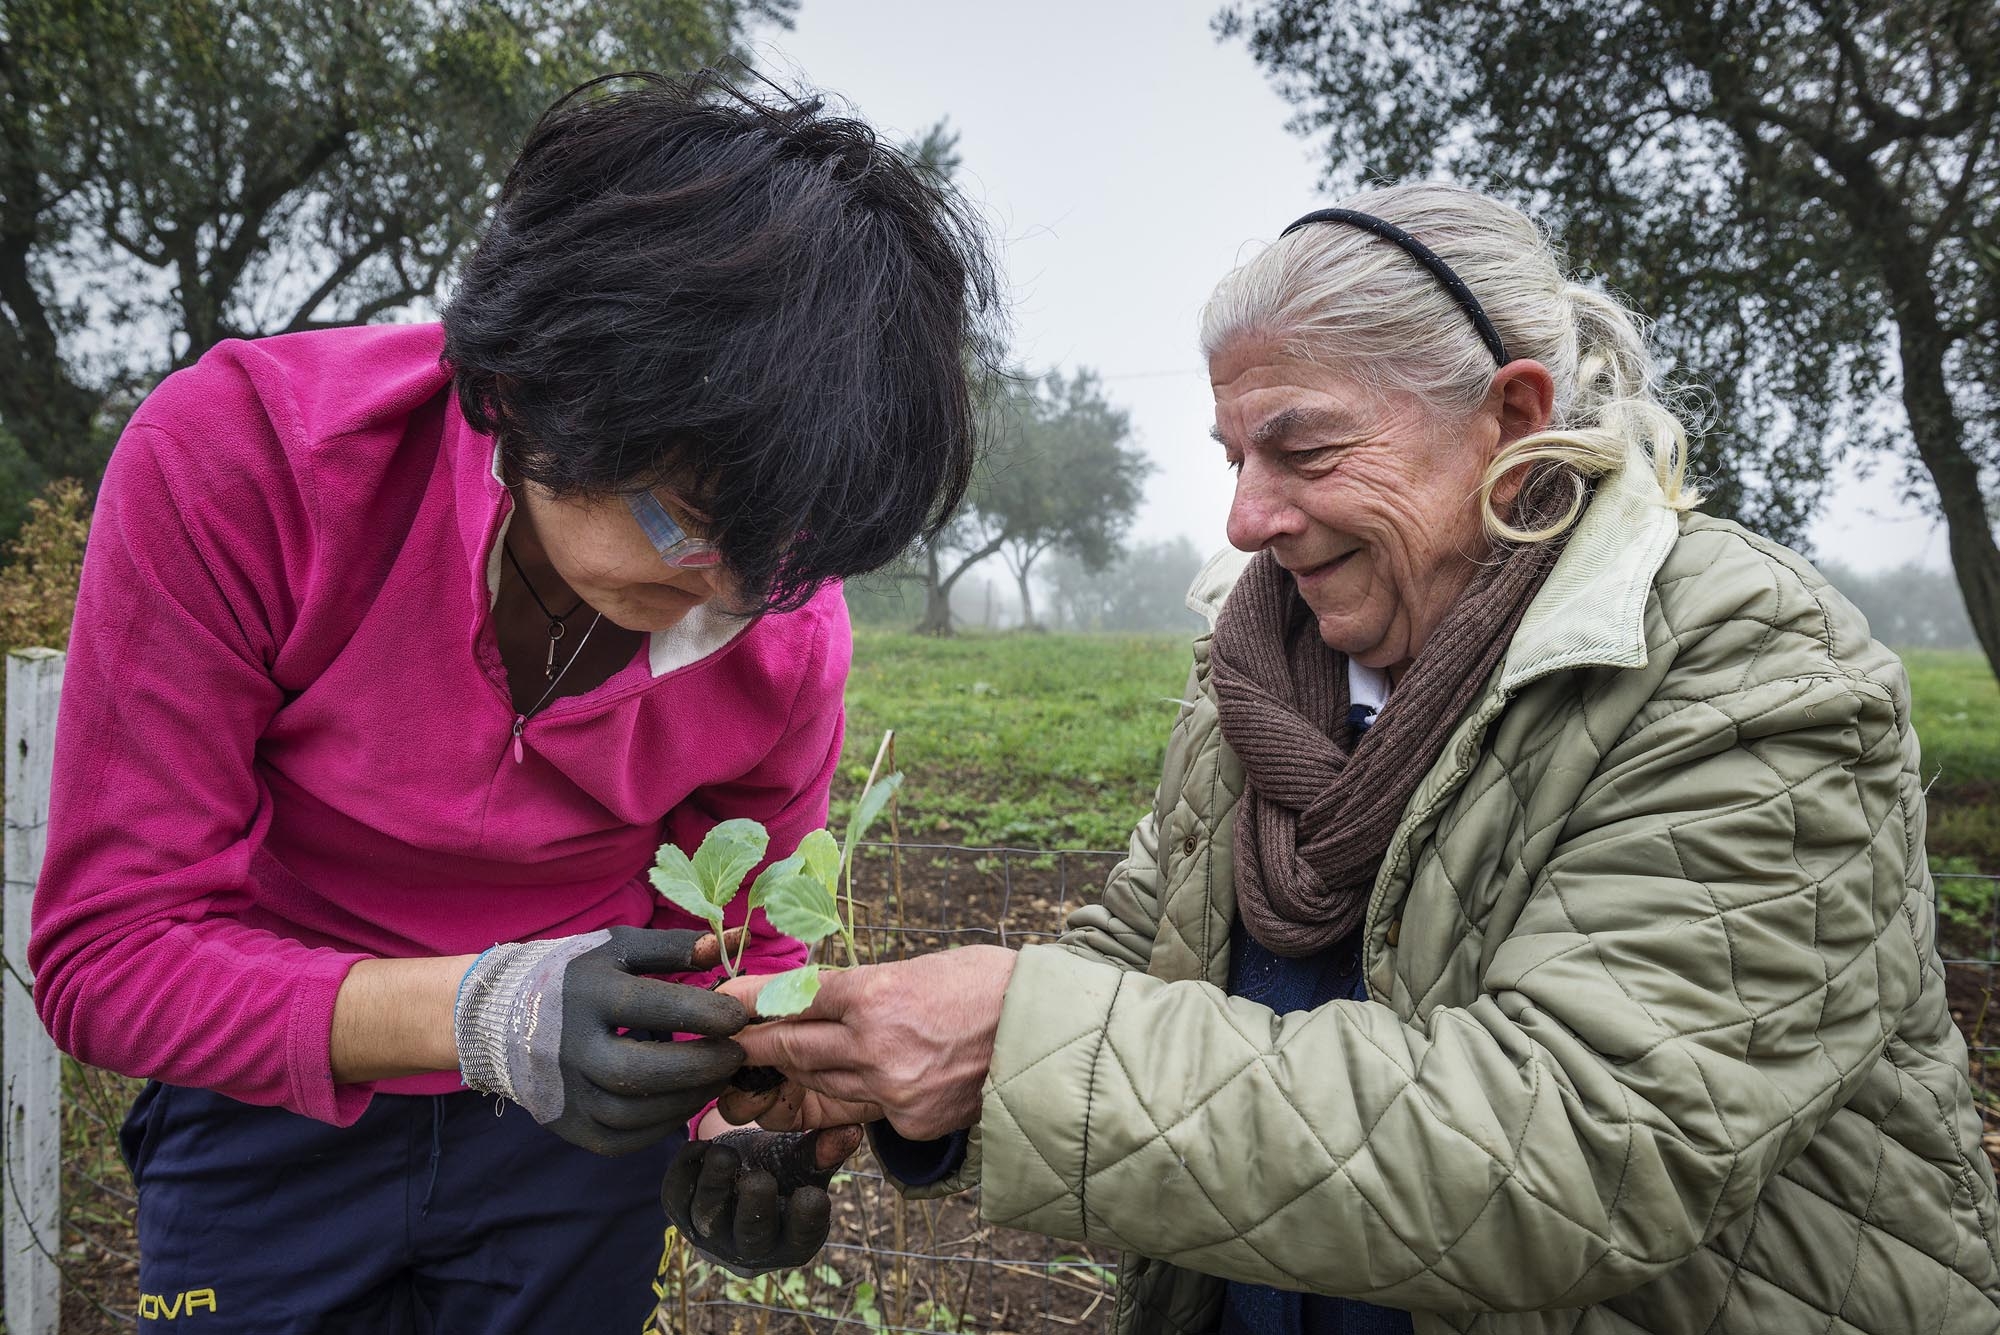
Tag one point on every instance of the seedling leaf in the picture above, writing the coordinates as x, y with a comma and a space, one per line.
867, 809
726, 857
790, 992
760, 889
822, 857
800, 906
676, 880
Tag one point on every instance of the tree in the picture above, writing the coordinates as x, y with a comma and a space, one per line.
1055, 474
1143, 590
945, 550
176, 172
942, 560
1803, 193
1068, 482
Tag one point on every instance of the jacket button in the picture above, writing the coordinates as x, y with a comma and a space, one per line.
1189, 844
1395, 930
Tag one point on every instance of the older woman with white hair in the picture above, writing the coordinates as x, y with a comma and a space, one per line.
1533, 930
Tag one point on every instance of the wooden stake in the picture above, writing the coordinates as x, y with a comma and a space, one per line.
32, 1214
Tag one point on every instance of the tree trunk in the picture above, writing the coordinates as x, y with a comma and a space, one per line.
1940, 441
50, 415
937, 588
937, 598
1027, 601
1939, 436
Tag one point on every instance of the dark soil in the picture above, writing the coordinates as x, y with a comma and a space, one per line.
932, 1267
757, 1079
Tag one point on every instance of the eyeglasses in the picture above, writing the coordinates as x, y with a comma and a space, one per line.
669, 539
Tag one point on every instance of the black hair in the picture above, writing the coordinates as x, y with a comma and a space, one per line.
753, 302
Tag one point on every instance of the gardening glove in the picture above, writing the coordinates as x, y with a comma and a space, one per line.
754, 1200
538, 1023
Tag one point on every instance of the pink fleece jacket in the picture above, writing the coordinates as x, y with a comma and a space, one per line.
286, 742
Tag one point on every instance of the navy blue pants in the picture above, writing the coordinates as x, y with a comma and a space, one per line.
429, 1214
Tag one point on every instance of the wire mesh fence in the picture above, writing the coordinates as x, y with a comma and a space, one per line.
903, 1267
1969, 941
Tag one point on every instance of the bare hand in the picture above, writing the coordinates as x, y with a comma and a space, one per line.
913, 1038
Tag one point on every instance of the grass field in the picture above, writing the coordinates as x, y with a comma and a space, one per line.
1029, 741
1956, 704
1055, 741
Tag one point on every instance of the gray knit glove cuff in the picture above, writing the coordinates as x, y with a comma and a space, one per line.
508, 1021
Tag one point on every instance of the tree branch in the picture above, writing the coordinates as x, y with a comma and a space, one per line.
1890, 124
227, 264
977, 556
302, 316
17, 289
1959, 191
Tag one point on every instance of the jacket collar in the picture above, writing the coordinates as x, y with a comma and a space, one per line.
1592, 610
1211, 586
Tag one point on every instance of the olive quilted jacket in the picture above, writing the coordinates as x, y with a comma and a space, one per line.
1657, 1037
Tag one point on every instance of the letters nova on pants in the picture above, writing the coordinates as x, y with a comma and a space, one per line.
167, 1307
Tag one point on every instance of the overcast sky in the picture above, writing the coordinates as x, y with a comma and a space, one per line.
1126, 158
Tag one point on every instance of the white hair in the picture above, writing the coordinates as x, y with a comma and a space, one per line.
1347, 299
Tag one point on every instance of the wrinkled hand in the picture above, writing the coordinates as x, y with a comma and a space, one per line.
913, 1038
756, 1200
538, 1023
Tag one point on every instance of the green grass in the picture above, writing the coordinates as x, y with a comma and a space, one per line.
1956, 704
1055, 741
1029, 741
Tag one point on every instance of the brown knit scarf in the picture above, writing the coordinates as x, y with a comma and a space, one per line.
1319, 809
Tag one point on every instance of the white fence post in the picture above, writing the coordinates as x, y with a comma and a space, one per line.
33, 1077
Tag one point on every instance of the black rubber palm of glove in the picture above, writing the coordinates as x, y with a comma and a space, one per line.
757, 1200
622, 1093
606, 1091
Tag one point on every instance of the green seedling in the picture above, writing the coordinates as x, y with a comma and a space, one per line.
801, 894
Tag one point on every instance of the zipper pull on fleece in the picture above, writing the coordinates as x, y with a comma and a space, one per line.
520, 725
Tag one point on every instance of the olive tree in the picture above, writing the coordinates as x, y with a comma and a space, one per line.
177, 172
1803, 192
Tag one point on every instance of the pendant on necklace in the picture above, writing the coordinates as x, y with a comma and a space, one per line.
555, 633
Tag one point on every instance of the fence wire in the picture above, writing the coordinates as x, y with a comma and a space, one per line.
894, 1266
1969, 942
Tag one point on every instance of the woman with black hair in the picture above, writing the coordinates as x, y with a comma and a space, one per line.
398, 652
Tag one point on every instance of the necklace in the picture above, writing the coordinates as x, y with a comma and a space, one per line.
557, 628
521, 720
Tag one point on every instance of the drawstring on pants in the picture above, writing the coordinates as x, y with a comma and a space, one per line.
437, 1153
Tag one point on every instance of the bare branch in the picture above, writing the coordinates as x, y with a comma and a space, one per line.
227, 265
978, 555
346, 269
1888, 123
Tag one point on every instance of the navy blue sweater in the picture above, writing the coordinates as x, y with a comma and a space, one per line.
1287, 985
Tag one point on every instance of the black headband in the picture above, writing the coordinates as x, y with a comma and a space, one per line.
1423, 255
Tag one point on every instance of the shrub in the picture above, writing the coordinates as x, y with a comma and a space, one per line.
38, 583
